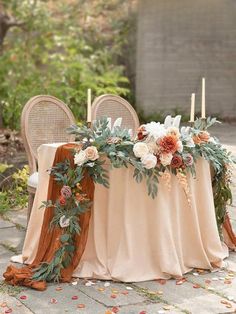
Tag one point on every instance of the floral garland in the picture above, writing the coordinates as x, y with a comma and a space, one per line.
155, 153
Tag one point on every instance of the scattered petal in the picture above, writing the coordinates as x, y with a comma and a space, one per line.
167, 307
125, 292
53, 301
161, 281
224, 302
88, 284
107, 284
19, 304
4, 304
23, 297
227, 282
81, 306
195, 274
215, 279
115, 309
230, 298
129, 288
161, 312
108, 312
159, 292
101, 289
114, 291
196, 286
8, 311
143, 312
207, 281
74, 283
58, 288
228, 305
75, 297
113, 296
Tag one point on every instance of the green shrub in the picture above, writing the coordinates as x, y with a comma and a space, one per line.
62, 49
15, 196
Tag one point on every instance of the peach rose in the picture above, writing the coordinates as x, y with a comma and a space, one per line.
140, 149
168, 144
201, 137
149, 161
165, 159
91, 153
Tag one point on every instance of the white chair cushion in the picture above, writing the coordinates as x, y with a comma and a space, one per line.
33, 180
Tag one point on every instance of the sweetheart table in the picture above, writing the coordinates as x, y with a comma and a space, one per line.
133, 237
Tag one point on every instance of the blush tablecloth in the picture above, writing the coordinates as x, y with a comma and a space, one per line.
133, 237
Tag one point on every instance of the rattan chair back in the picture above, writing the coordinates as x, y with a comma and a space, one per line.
114, 106
44, 119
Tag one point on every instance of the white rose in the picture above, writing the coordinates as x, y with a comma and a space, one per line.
179, 146
140, 149
166, 159
149, 161
64, 222
91, 153
80, 158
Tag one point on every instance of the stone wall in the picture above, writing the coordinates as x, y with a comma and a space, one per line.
178, 43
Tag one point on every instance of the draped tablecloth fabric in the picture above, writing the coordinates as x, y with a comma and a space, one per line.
133, 237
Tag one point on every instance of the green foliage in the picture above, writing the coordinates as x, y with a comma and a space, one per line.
16, 196
62, 49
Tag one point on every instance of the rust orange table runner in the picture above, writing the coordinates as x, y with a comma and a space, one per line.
50, 238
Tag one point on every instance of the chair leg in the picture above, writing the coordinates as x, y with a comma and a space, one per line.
30, 205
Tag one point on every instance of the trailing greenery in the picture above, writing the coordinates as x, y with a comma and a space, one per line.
62, 49
222, 162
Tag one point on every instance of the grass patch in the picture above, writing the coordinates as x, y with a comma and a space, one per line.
10, 290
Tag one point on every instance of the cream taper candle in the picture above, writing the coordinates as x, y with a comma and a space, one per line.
203, 99
89, 101
192, 112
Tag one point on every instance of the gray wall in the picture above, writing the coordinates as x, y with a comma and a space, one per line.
180, 41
